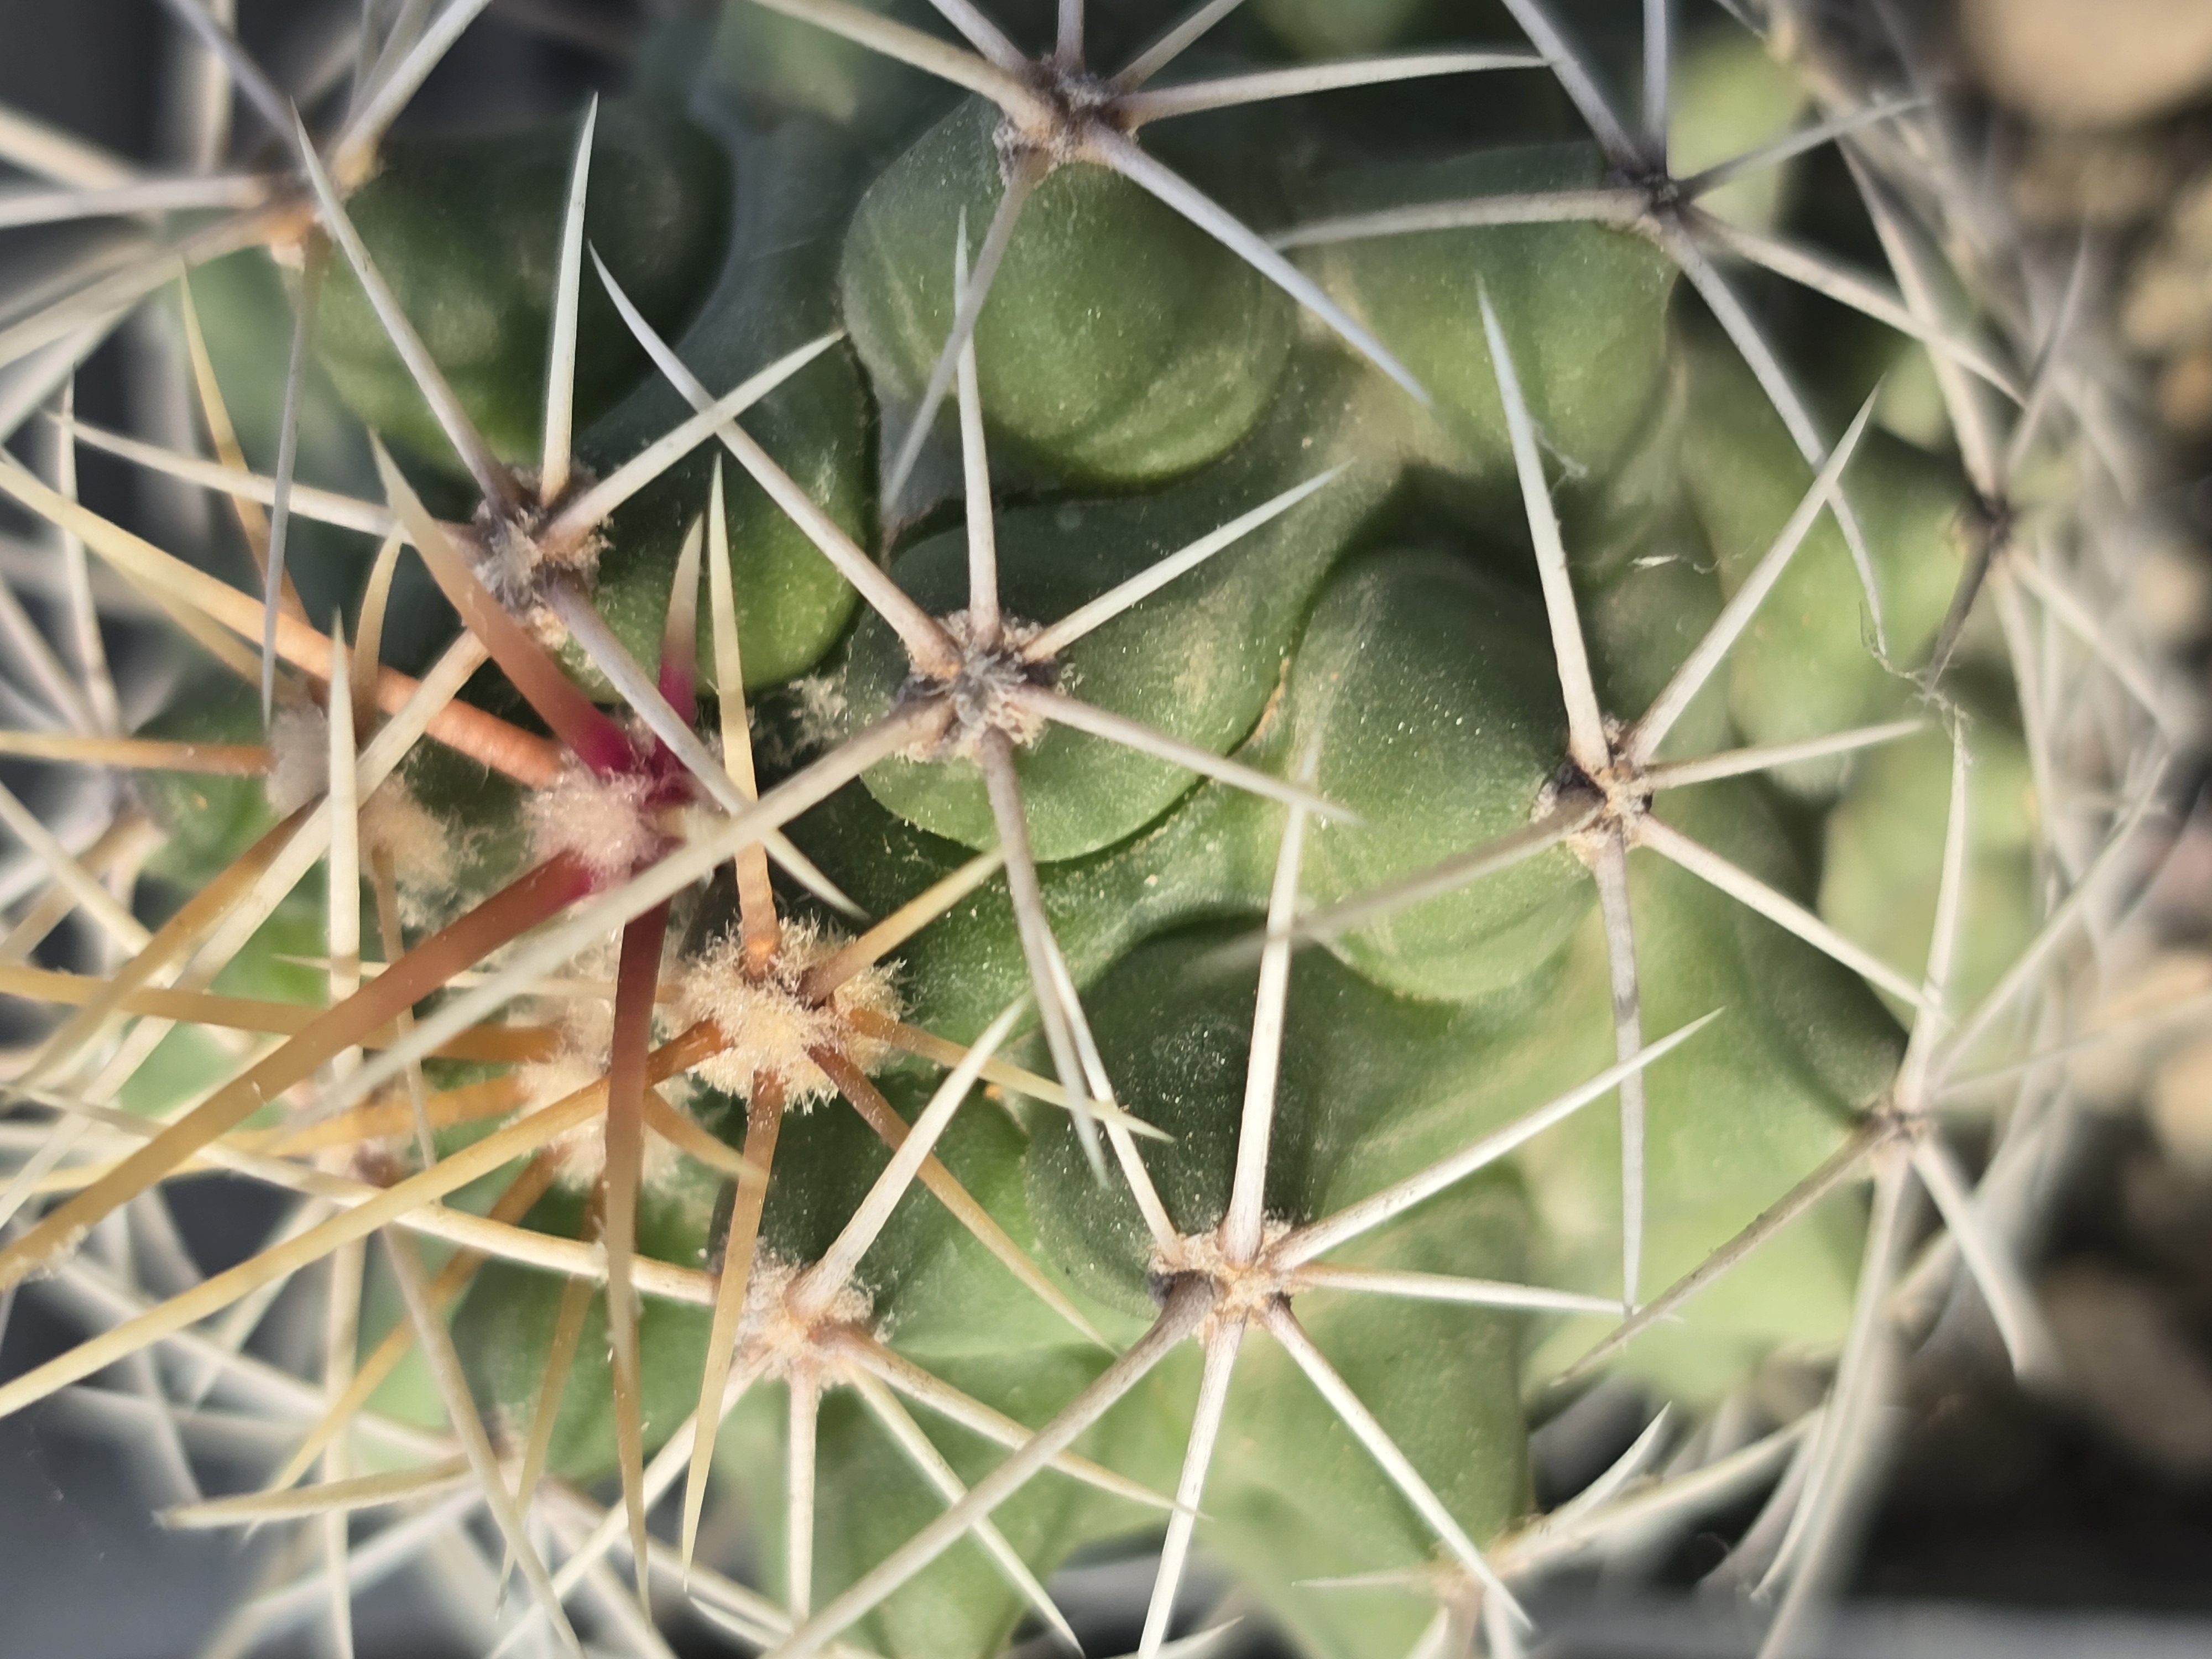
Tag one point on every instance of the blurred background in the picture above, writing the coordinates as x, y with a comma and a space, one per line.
2077, 1522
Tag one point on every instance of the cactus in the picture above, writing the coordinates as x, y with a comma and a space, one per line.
1323, 785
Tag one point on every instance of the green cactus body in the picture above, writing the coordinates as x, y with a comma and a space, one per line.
1491, 906
769, 297
1804, 665
1120, 373
471, 232
1200, 665
1324, 31
1801, 1049
1421, 691
1583, 307
1881, 873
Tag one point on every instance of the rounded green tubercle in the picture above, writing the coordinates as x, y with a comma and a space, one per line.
1174, 1020
1729, 96
1425, 697
771, 296
1885, 845
1120, 345
504, 1328
1198, 660
1290, 1497
1584, 306
1805, 666
209, 818
466, 233
1734, 1119
1324, 30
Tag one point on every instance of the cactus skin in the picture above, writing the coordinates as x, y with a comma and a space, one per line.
1450, 641
1200, 668
1585, 308
1113, 373
468, 226
770, 296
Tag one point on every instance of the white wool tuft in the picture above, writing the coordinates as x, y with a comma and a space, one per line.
395, 823
785, 1341
600, 820
299, 757
822, 709
770, 1027
587, 1028
817, 721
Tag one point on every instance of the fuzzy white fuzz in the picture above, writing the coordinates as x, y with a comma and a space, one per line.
770, 1027
600, 821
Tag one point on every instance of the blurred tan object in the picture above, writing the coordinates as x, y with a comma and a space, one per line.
2185, 394
2090, 63
2130, 1369
2144, 1012
2104, 181
2181, 1107
2166, 311
2170, 594
2168, 305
